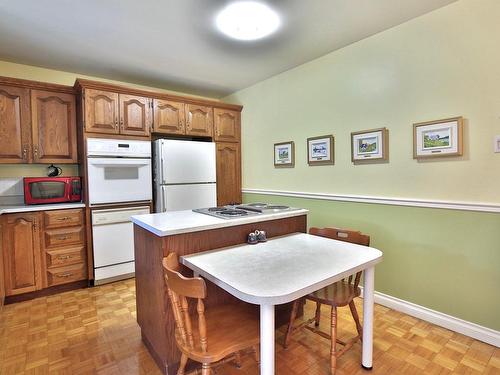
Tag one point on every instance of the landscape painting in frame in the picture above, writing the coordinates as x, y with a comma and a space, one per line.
320, 150
284, 154
369, 145
438, 138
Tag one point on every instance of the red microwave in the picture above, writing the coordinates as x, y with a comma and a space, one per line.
44, 190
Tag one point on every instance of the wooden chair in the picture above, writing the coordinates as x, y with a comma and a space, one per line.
231, 328
342, 293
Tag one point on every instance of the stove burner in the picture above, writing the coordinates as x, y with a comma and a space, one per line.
232, 212
276, 207
259, 205
215, 209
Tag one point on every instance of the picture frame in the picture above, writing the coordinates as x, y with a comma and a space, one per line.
284, 155
370, 146
439, 138
320, 150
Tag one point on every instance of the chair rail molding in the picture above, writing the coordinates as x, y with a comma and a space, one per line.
411, 202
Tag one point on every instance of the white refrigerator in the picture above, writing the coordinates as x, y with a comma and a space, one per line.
184, 175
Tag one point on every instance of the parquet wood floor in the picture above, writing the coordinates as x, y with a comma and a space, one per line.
93, 331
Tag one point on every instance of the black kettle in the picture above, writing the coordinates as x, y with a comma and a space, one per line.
53, 171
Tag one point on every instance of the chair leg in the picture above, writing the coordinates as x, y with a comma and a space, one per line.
205, 369
256, 353
289, 330
318, 314
355, 316
237, 359
333, 351
182, 364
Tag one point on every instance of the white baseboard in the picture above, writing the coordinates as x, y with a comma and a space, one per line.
487, 335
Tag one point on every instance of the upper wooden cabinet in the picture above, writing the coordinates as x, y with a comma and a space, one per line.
199, 120
101, 112
135, 115
227, 125
228, 160
53, 121
112, 113
22, 253
169, 117
15, 132
37, 122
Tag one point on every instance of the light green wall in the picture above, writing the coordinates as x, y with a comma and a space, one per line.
443, 64
441, 259
440, 65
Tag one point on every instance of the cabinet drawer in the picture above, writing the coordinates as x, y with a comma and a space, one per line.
64, 257
68, 274
63, 237
62, 218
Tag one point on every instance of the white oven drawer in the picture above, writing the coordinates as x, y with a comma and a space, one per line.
114, 180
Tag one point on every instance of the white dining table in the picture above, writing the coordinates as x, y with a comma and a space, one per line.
284, 269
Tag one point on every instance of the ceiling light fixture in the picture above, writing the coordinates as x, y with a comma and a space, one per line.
247, 20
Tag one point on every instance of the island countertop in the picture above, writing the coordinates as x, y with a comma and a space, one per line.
177, 222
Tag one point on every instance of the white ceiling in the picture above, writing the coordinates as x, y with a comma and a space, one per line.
174, 45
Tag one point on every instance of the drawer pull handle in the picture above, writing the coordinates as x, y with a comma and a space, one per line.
62, 238
64, 275
63, 218
63, 257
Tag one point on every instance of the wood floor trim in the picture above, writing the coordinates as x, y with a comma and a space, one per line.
476, 331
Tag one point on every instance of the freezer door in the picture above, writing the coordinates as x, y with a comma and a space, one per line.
184, 162
186, 197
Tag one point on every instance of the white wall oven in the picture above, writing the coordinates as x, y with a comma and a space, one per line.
119, 174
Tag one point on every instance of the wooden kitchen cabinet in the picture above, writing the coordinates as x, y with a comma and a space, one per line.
37, 122
21, 253
199, 120
15, 132
135, 115
53, 120
227, 125
42, 249
168, 117
101, 111
228, 173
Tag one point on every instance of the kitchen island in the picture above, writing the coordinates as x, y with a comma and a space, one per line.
187, 232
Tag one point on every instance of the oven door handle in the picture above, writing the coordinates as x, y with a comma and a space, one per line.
120, 162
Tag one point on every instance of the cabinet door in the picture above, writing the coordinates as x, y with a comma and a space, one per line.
227, 125
228, 173
135, 115
15, 132
169, 117
53, 127
101, 111
21, 249
199, 120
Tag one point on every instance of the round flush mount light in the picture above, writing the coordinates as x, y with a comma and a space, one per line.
247, 20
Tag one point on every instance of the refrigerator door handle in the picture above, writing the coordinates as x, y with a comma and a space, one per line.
164, 199
162, 175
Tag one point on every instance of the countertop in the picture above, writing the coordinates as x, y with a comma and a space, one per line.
176, 222
9, 209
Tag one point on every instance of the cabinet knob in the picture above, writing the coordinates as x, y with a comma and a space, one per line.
64, 218
116, 123
35, 151
64, 257
62, 238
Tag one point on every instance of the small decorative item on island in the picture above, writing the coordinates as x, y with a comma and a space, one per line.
257, 236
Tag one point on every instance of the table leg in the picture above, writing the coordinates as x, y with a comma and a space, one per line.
266, 339
368, 289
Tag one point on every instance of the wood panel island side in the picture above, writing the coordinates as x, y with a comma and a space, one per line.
187, 232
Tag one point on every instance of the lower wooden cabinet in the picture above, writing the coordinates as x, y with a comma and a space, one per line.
42, 249
228, 173
22, 253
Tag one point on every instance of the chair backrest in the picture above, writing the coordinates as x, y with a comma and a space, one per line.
345, 235
181, 288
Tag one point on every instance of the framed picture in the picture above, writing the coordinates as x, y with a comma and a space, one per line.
438, 138
284, 155
370, 145
320, 150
